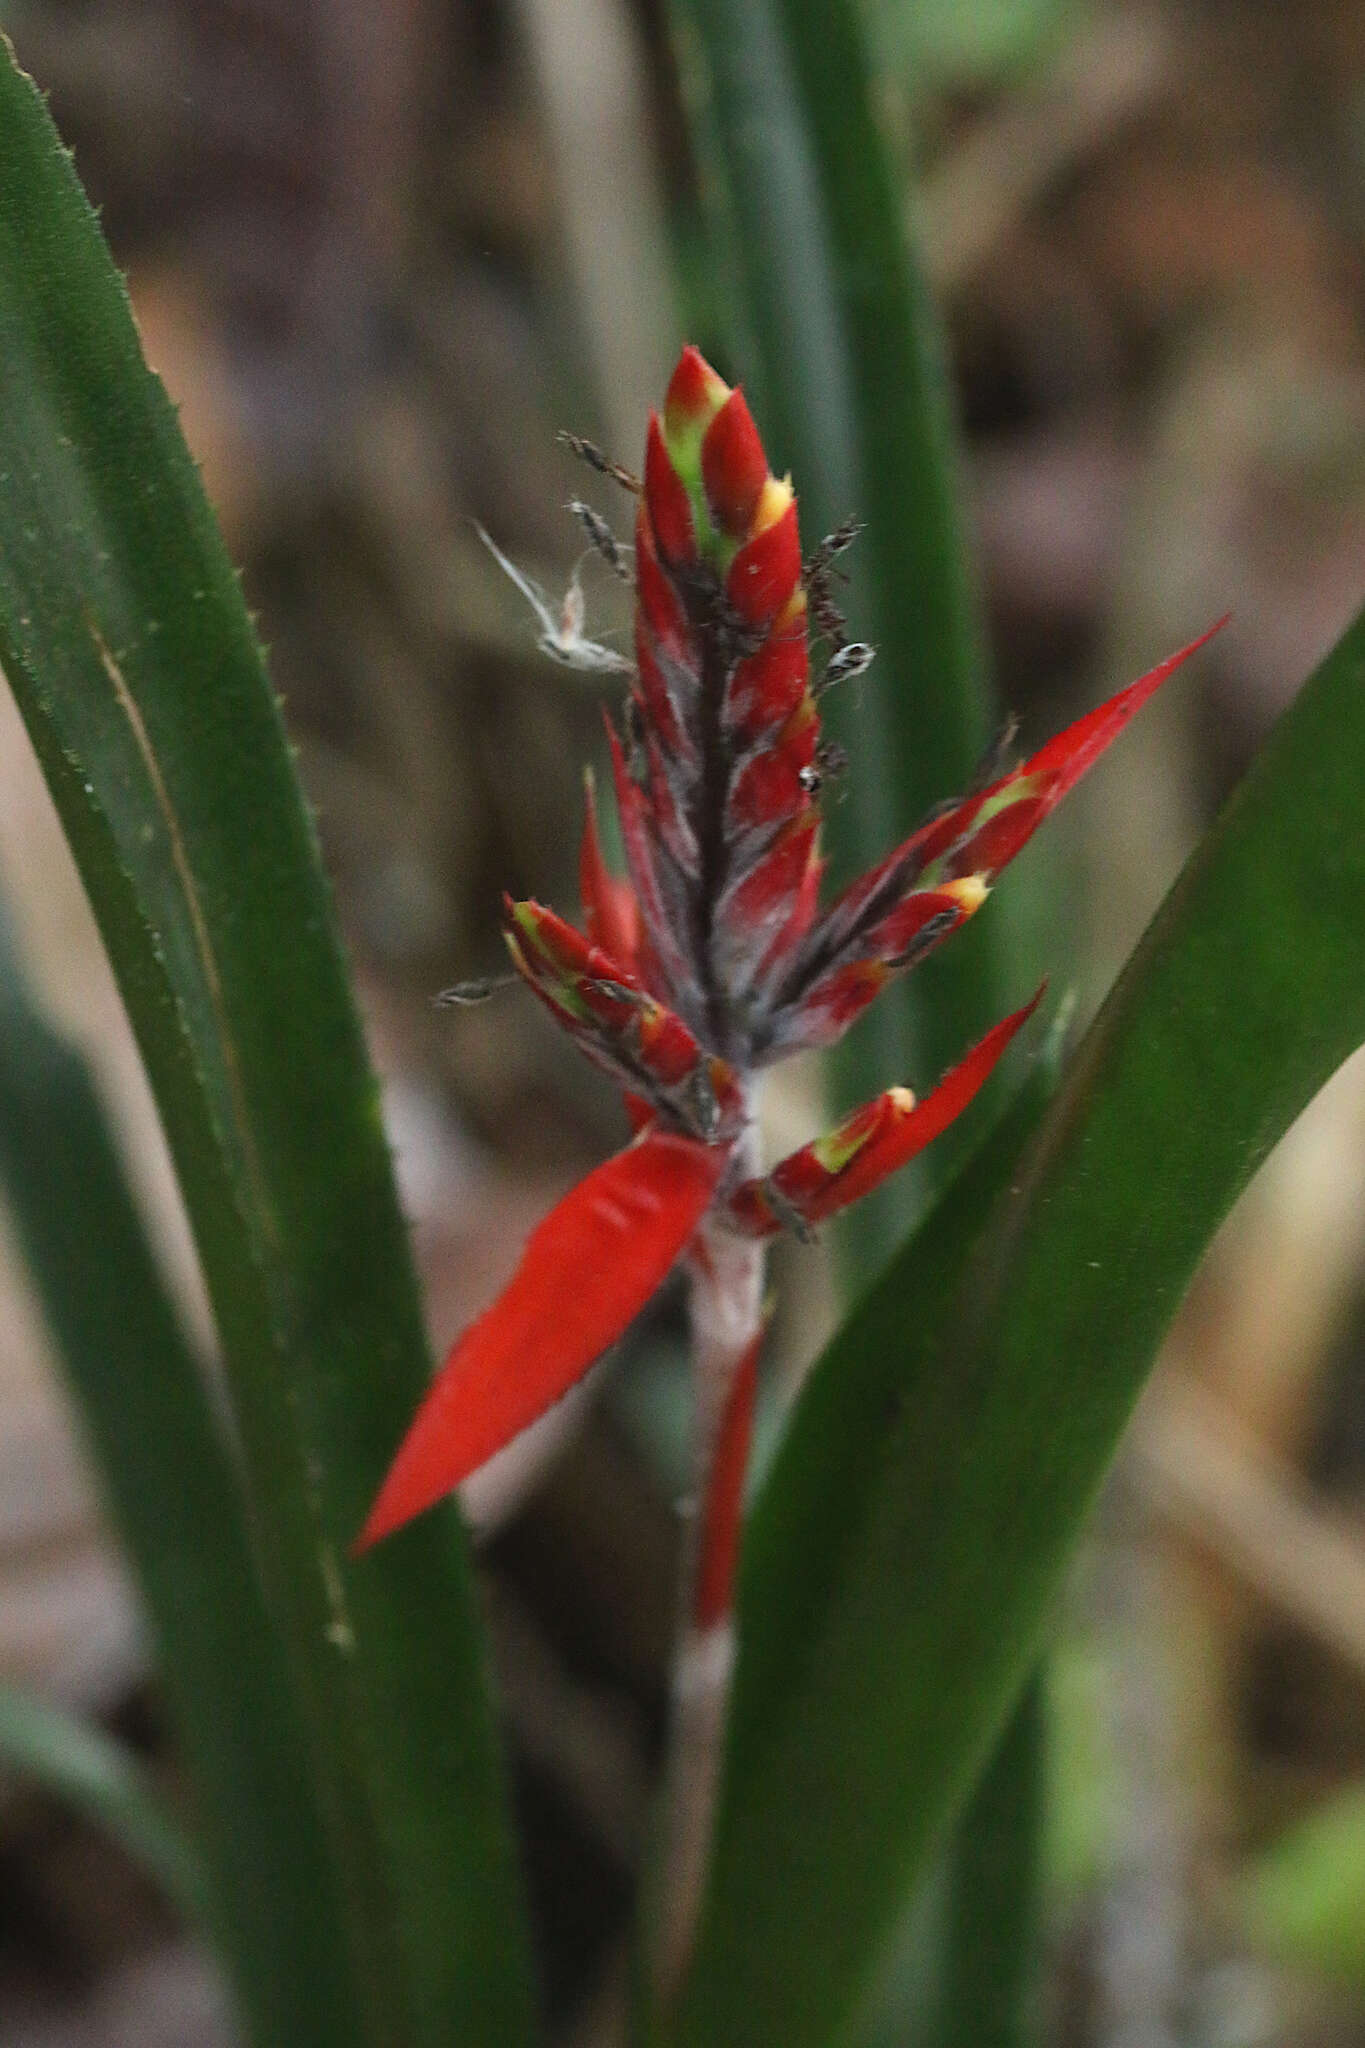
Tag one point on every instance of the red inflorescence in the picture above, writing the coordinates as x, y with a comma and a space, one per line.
713, 959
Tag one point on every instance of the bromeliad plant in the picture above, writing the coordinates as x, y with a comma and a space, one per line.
332, 1713
348, 1804
711, 963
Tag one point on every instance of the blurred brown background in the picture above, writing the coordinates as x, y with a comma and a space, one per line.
379, 253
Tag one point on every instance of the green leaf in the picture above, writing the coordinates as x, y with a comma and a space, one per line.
916, 1523
126, 642
96, 1776
1304, 1898
964, 1963
800, 1534
839, 346
170, 1483
988, 1996
944, 45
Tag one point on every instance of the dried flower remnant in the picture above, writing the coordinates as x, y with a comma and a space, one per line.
709, 961
561, 634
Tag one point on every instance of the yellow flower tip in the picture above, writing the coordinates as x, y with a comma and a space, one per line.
791, 620
838, 1147
902, 1100
802, 719
777, 494
971, 892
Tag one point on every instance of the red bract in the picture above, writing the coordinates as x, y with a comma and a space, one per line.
714, 959
586, 1272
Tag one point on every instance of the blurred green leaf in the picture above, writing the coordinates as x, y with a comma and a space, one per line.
938, 44
939, 1467
963, 1966
170, 1482
126, 642
1077, 1830
99, 1779
1304, 1898
989, 1991
962, 1962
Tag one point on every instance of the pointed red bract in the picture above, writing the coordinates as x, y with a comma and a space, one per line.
1068, 755
722, 1508
695, 392
815, 1183
734, 467
905, 1138
620, 1026
660, 616
610, 911
585, 1274
662, 932
912, 899
1047, 776
767, 686
765, 572
670, 510
1041, 781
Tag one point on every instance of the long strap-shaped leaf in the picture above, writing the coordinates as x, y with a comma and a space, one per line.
125, 639
168, 1478
101, 1780
916, 1522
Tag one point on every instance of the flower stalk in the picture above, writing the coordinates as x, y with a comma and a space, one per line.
708, 962
728, 1322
